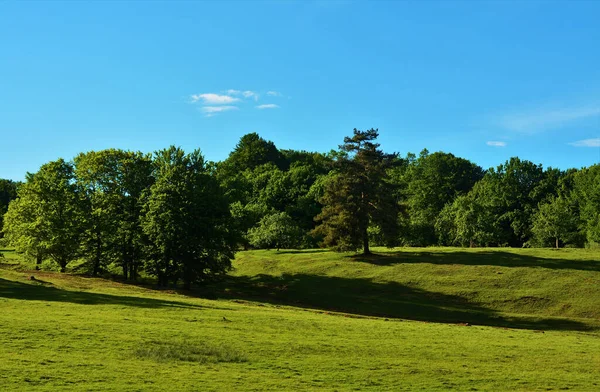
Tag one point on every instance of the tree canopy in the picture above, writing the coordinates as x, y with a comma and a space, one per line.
175, 216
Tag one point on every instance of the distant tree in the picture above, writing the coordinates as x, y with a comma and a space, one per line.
277, 230
8, 192
187, 220
357, 195
515, 189
250, 152
504, 201
245, 217
555, 221
430, 182
469, 222
586, 193
44, 221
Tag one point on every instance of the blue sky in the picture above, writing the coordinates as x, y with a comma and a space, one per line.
484, 81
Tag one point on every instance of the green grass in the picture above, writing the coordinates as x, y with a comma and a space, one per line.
408, 319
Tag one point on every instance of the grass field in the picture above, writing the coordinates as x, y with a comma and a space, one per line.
407, 319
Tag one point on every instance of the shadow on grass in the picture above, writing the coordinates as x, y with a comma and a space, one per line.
489, 258
302, 251
368, 298
44, 291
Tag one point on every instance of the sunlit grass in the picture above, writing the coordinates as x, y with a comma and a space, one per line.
308, 320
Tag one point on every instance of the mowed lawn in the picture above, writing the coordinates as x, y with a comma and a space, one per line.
406, 319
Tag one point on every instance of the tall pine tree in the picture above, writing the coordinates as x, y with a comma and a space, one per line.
358, 196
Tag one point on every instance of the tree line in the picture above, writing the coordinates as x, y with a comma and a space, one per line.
180, 218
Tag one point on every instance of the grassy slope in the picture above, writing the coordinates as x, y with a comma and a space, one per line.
523, 288
70, 332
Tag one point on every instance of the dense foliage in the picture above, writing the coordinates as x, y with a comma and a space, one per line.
180, 218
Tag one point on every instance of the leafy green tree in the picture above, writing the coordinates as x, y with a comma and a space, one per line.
135, 173
555, 221
111, 183
431, 182
468, 221
23, 229
515, 190
586, 193
187, 220
98, 184
245, 217
276, 230
358, 195
251, 152
44, 221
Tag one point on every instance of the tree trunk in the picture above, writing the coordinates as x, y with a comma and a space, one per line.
556, 242
366, 250
133, 273
38, 262
98, 255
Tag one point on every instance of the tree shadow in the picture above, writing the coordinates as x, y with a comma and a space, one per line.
44, 291
489, 258
368, 298
300, 251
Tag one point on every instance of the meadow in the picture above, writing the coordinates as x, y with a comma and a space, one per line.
402, 319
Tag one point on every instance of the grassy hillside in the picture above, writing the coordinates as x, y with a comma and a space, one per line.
275, 325
522, 288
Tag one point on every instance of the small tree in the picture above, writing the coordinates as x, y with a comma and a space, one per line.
555, 221
275, 231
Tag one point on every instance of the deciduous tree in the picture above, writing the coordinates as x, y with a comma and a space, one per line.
187, 220
44, 221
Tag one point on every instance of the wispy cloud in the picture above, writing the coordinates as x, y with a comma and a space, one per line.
213, 99
212, 104
210, 111
250, 94
496, 143
540, 120
595, 142
245, 93
268, 106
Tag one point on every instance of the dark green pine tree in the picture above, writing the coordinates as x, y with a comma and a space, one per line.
358, 195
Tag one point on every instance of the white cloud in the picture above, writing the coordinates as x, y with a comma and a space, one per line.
274, 93
213, 99
587, 143
213, 110
540, 120
267, 106
496, 144
245, 94
250, 94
